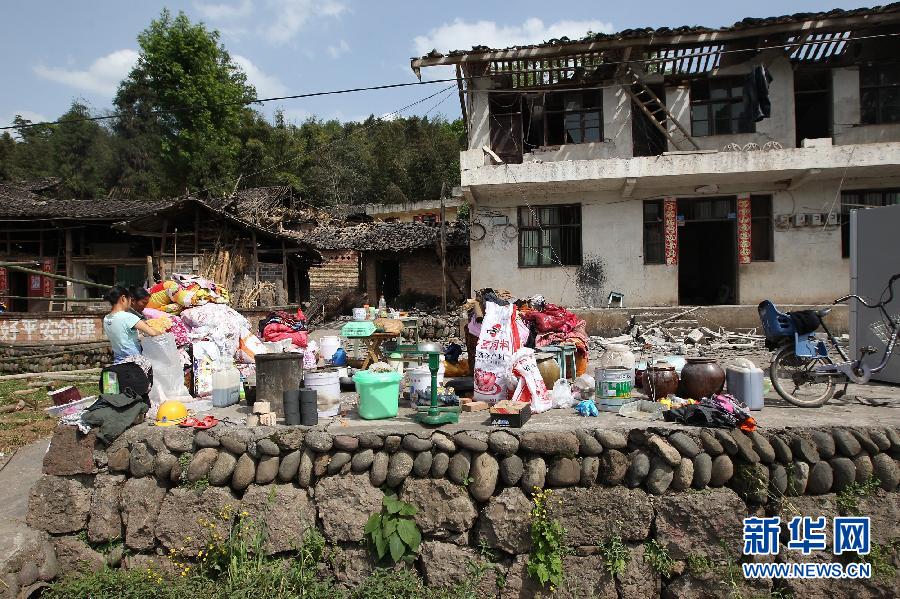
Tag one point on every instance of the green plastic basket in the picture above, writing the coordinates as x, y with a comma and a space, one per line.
363, 328
379, 394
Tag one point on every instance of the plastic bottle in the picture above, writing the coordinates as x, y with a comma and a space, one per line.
382, 307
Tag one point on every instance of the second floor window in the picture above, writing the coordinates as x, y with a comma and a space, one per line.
550, 235
574, 117
717, 107
879, 94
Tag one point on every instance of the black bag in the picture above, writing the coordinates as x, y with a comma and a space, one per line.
805, 321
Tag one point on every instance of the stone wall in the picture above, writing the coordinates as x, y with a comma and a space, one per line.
51, 358
688, 489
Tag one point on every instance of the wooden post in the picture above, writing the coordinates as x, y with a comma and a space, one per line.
255, 256
443, 252
196, 231
284, 268
150, 280
162, 249
70, 288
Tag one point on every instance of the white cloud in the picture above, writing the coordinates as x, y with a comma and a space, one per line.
460, 35
224, 11
266, 85
292, 16
341, 48
102, 76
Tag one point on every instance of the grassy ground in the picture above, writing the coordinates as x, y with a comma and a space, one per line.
21, 427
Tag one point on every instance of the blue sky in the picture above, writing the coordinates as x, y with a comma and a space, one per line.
56, 51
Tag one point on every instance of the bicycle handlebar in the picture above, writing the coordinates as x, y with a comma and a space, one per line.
890, 289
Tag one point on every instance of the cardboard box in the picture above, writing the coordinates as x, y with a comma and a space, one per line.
513, 414
474, 406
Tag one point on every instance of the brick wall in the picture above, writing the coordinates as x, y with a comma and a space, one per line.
339, 270
420, 271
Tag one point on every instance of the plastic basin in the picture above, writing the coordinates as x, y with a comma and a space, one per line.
379, 394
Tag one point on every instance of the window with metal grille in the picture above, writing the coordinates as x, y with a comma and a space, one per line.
854, 200
654, 250
762, 247
550, 235
573, 117
717, 107
879, 94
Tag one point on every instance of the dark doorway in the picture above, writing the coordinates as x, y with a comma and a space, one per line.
387, 280
647, 139
812, 104
707, 253
18, 287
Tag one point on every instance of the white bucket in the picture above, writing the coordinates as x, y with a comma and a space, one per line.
327, 384
327, 346
420, 377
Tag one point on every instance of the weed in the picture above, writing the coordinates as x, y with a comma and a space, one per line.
658, 558
698, 565
848, 499
548, 548
615, 555
393, 532
881, 558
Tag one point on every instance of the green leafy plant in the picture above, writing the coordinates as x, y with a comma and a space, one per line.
615, 555
658, 558
698, 565
848, 499
547, 539
393, 532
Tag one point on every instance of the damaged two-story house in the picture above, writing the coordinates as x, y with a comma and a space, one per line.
680, 166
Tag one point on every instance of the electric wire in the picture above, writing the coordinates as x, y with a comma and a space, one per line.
434, 81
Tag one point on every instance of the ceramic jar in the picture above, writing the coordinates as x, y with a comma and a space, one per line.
701, 377
616, 356
548, 367
659, 380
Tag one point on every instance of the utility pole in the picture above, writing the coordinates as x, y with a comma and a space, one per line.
443, 252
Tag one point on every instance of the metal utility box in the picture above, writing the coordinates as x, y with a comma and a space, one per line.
874, 258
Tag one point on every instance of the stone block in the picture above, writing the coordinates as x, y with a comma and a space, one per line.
444, 509
593, 515
286, 510
504, 523
70, 452
105, 520
708, 522
141, 501
59, 505
344, 504
188, 520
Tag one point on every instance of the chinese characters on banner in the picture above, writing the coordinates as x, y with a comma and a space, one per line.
23, 330
670, 230
4, 281
743, 229
47, 265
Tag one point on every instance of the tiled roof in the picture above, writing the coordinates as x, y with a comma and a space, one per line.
18, 203
380, 236
665, 32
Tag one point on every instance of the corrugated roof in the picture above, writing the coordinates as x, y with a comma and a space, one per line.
664, 34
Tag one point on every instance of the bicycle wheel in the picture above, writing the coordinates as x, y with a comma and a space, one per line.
795, 380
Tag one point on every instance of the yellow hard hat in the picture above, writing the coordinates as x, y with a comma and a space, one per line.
170, 413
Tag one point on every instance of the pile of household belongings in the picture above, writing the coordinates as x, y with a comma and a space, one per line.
208, 332
502, 335
280, 326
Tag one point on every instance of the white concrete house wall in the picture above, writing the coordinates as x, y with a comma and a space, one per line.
610, 185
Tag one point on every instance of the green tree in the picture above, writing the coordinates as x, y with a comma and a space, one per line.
186, 89
82, 154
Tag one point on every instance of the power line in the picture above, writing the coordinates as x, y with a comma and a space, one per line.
662, 59
235, 103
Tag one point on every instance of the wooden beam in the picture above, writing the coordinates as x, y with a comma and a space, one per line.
255, 257
70, 288
462, 99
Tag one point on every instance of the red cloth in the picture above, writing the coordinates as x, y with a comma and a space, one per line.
552, 319
278, 332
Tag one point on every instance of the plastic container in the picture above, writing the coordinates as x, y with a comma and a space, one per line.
616, 355
309, 413
420, 377
379, 394
327, 346
745, 381
327, 385
614, 387
226, 382
71, 408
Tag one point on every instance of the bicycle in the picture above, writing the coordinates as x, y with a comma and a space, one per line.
801, 359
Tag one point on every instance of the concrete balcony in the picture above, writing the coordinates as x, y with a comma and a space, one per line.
787, 168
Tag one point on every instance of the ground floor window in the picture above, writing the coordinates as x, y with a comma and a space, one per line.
761, 236
550, 235
852, 200
654, 247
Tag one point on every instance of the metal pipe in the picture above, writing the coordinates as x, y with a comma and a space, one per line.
15, 266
